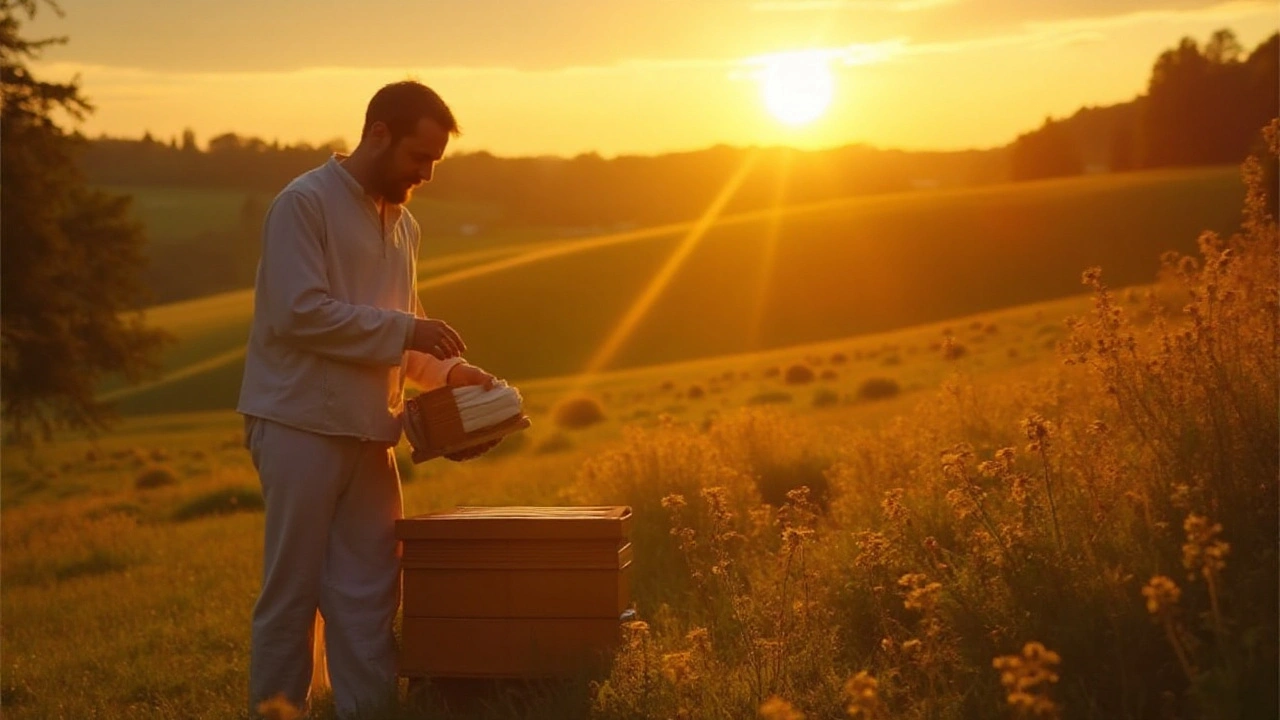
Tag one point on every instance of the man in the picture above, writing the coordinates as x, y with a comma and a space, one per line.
337, 328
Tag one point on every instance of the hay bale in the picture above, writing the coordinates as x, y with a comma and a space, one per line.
576, 413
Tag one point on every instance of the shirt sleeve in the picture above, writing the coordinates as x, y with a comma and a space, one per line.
293, 293
425, 369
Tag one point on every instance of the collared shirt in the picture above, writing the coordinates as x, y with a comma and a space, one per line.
334, 309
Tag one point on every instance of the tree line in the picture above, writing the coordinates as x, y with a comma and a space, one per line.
1204, 105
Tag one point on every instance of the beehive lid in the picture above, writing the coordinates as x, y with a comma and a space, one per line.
519, 523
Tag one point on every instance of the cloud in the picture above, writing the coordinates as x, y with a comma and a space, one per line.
873, 5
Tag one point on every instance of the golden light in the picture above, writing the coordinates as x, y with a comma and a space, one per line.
797, 87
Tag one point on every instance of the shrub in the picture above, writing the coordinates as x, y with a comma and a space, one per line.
577, 413
829, 375
223, 501
878, 388
839, 358
155, 476
769, 398
952, 350
798, 375
695, 392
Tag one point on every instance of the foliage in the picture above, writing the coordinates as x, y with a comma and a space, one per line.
1070, 548
70, 261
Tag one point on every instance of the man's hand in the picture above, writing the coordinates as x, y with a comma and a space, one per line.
467, 374
435, 337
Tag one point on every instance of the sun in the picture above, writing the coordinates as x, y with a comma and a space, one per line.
797, 87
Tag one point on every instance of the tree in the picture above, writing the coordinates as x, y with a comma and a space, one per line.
1205, 105
70, 263
1048, 152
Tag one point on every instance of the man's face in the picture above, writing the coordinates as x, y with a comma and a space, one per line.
406, 162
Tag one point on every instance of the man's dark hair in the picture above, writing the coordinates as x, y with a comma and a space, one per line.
402, 105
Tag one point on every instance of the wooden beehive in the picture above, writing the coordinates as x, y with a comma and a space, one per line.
435, 414
512, 592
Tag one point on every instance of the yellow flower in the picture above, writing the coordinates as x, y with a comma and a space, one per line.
863, 694
1203, 552
1162, 595
1027, 677
775, 708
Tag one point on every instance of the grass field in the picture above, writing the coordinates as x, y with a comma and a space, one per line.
161, 604
759, 280
941, 519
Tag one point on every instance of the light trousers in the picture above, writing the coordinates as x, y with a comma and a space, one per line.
330, 545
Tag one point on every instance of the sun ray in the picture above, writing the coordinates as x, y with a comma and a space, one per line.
768, 251
658, 283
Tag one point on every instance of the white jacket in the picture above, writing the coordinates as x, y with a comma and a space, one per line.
333, 312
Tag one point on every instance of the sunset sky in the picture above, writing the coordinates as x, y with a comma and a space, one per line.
563, 77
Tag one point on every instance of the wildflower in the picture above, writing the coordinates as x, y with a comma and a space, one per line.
1038, 431
863, 694
1203, 552
1027, 677
699, 638
678, 667
922, 595
775, 708
278, 708
892, 506
874, 550
1162, 602
635, 632
674, 502
1162, 596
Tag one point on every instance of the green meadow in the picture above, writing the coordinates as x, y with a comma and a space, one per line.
542, 308
889, 459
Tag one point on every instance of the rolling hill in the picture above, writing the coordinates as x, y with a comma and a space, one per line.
758, 280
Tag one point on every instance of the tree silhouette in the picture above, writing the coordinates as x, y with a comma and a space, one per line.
70, 260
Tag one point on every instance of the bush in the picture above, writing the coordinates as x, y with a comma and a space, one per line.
155, 476
769, 398
798, 375
878, 388
695, 392
952, 350
577, 413
223, 501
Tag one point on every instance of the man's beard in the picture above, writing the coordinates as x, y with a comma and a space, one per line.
391, 189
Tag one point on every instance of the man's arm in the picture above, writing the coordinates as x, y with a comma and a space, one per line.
423, 368
293, 292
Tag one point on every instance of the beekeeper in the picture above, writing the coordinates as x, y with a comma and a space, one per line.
337, 328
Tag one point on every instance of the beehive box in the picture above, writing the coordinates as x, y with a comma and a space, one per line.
512, 592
